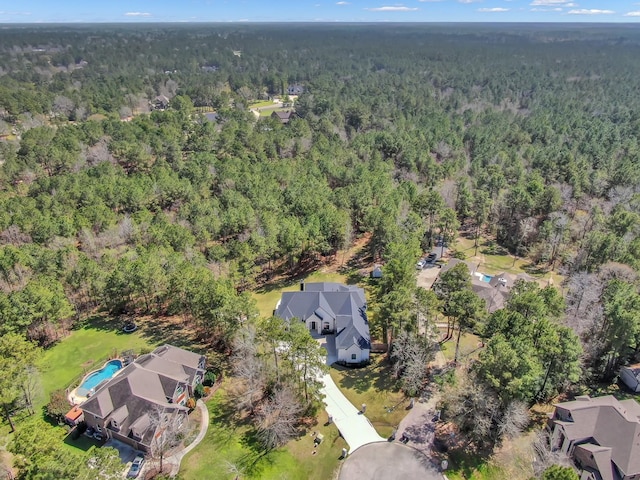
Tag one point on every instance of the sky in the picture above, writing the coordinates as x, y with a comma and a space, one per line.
38, 11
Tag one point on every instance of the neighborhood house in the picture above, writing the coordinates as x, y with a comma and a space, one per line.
493, 289
601, 435
328, 309
148, 393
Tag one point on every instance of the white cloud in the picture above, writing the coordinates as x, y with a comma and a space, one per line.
342, 3
563, 3
590, 11
469, 1
632, 14
493, 10
395, 8
535, 9
137, 14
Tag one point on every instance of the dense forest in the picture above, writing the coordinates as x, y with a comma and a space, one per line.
525, 134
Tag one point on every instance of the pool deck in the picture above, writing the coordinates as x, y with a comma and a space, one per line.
76, 398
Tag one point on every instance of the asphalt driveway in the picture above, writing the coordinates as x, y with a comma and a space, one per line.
385, 461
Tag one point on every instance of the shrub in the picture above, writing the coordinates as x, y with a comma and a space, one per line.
199, 391
58, 406
209, 379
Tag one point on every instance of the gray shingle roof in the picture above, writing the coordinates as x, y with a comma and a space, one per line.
143, 387
607, 422
345, 303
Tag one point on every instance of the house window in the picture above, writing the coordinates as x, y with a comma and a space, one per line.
353, 356
313, 325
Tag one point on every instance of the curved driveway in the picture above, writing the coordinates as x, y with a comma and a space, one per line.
354, 426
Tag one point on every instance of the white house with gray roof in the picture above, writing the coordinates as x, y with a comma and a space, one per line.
332, 308
601, 435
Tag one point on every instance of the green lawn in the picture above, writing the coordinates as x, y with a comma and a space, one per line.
495, 259
469, 468
82, 350
265, 103
266, 298
468, 346
232, 442
374, 386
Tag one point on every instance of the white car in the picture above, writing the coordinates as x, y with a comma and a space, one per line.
420, 265
136, 467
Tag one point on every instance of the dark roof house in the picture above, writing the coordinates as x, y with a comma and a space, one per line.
158, 383
332, 308
601, 435
161, 102
284, 116
493, 289
295, 89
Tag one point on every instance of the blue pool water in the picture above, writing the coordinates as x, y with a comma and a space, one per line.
486, 278
96, 378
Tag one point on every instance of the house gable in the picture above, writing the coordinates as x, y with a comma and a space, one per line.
331, 302
603, 427
124, 404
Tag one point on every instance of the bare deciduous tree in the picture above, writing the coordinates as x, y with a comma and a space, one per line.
479, 414
250, 369
169, 427
411, 355
544, 455
514, 420
277, 418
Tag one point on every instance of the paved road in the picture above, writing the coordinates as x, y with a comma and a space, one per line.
418, 426
354, 427
387, 461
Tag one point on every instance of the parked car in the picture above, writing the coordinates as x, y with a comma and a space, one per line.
432, 257
136, 467
420, 265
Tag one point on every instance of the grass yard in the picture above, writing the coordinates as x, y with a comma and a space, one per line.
466, 467
494, 259
265, 103
231, 443
266, 298
374, 386
82, 350
468, 345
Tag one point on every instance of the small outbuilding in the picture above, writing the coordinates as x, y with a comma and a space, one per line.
74, 416
376, 272
630, 376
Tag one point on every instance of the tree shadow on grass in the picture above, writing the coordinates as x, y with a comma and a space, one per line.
158, 331
376, 375
82, 442
100, 322
535, 270
492, 248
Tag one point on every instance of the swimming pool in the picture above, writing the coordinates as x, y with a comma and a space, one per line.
94, 379
486, 278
